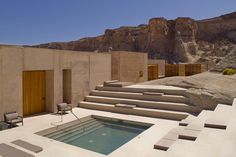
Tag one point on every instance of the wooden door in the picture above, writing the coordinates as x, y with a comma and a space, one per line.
34, 93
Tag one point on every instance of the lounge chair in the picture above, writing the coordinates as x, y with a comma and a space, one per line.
13, 118
63, 107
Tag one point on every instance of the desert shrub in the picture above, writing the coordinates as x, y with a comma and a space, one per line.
229, 71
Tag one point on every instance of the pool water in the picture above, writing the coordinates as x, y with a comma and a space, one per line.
102, 136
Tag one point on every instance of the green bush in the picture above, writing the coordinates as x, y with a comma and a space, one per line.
229, 71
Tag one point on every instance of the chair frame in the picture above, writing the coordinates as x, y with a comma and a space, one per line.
63, 111
19, 119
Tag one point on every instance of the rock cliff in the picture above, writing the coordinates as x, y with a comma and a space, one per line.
179, 40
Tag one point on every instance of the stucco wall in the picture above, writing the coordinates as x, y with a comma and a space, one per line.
129, 66
88, 70
11, 80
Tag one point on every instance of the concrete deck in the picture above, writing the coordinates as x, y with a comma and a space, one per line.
145, 140
210, 142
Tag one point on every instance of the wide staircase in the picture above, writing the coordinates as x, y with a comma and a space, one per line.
166, 103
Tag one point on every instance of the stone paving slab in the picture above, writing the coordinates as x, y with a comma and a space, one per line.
9, 151
163, 144
28, 146
189, 134
216, 123
171, 136
194, 127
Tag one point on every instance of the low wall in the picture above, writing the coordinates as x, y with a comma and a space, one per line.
129, 66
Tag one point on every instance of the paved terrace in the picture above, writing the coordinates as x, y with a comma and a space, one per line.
210, 142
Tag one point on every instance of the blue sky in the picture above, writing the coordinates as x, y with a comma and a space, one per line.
26, 22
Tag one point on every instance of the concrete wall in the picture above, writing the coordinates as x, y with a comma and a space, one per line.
88, 70
129, 66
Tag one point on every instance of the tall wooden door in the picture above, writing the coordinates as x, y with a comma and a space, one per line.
34, 93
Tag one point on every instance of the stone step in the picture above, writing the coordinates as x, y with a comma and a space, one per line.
70, 129
219, 118
152, 96
125, 106
158, 113
137, 89
144, 104
187, 120
188, 134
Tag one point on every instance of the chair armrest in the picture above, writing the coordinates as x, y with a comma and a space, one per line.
21, 117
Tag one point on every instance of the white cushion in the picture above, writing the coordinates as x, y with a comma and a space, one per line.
11, 116
63, 105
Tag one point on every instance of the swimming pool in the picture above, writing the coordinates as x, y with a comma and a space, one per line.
98, 134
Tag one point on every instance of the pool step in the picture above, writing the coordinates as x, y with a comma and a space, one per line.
60, 132
177, 91
144, 103
76, 133
150, 96
158, 113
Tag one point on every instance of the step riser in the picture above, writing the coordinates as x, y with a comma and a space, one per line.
156, 114
72, 130
75, 132
144, 105
141, 97
141, 90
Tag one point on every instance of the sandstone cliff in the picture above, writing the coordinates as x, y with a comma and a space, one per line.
179, 40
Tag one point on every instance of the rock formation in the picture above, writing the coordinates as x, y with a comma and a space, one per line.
207, 89
179, 40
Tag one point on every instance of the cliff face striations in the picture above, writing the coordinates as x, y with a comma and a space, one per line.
179, 40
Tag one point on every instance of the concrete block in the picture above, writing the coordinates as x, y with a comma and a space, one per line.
171, 136
189, 134
176, 130
194, 127
163, 144
216, 123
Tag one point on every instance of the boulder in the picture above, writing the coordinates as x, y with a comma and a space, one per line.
206, 90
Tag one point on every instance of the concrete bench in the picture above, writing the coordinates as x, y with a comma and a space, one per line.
125, 106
